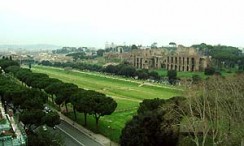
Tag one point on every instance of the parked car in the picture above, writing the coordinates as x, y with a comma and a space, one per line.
44, 127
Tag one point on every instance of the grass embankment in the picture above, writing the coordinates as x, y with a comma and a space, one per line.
128, 94
182, 74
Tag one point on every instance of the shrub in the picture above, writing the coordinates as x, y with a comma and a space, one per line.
209, 71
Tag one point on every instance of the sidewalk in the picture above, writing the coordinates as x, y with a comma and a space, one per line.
96, 137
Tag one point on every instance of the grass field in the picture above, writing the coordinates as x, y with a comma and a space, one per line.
128, 93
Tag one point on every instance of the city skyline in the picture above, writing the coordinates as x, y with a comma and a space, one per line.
93, 23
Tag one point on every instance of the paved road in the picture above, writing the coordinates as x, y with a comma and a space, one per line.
74, 137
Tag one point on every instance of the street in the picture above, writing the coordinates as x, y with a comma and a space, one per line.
74, 137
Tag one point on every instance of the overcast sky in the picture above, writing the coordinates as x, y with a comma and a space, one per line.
94, 22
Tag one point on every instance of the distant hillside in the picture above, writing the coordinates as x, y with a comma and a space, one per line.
30, 47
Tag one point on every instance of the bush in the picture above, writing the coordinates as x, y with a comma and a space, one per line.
209, 71
218, 73
196, 79
172, 76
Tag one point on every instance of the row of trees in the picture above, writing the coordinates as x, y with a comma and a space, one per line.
210, 114
84, 101
6, 62
28, 104
223, 56
93, 103
80, 56
67, 50
130, 71
80, 66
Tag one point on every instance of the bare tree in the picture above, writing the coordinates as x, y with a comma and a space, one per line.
215, 111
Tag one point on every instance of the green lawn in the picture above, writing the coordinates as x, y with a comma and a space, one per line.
110, 125
128, 93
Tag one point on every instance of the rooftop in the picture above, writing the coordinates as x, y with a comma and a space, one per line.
10, 132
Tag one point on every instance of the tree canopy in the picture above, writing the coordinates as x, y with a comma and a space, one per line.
154, 124
101, 105
172, 76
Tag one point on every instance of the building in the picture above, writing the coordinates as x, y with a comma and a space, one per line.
11, 134
186, 59
174, 58
147, 58
53, 57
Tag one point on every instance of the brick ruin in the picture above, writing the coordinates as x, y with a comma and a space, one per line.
180, 58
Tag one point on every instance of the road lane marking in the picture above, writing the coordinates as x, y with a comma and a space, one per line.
70, 136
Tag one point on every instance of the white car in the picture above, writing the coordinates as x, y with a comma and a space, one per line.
44, 127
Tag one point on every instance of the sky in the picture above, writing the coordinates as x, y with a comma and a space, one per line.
92, 23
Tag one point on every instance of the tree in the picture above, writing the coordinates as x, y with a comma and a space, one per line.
12, 69
33, 99
45, 82
46, 62
154, 75
154, 45
100, 52
209, 71
111, 69
134, 47
59, 100
23, 75
32, 118
102, 105
173, 44
215, 111
45, 138
127, 71
19, 98
33, 79
77, 100
53, 88
170, 126
172, 76
142, 74
143, 130
10, 92
79, 55
85, 104
51, 119
150, 105
29, 65
156, 124
4, 63
240, 63
65, 93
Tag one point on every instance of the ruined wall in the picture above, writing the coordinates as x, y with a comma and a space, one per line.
181, 59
